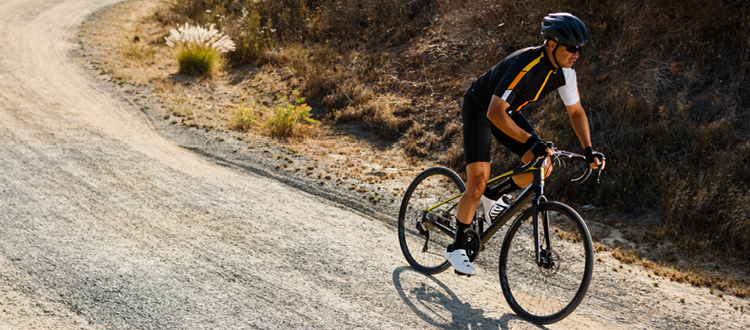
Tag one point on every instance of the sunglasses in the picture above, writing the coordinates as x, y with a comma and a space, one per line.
573, 49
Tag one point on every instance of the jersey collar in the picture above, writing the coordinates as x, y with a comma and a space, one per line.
546, 60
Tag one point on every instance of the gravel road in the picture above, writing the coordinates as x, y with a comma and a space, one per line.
106, 222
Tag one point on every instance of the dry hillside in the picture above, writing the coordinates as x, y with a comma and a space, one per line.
665, 83
666, 87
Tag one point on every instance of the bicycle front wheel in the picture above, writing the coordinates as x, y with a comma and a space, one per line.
427, 219
547, 292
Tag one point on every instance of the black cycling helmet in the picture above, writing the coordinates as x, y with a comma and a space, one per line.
565, 29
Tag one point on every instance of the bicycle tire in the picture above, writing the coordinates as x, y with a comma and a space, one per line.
539, 294
423, 244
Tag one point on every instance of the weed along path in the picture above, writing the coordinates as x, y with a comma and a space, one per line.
107, 223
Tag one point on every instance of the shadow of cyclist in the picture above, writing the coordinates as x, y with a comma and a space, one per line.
435, 303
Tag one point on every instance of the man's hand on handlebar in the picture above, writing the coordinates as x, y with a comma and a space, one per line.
595, 159
539, 147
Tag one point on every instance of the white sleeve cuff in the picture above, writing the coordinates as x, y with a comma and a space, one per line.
569, 91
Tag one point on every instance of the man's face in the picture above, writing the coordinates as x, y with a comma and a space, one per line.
565, 58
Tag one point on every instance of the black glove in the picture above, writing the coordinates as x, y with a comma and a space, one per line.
591, 155
538, 146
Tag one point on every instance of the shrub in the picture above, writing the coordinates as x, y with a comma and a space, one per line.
198, 61
198, 50
373, 113
244, 118
287, 117
254, 38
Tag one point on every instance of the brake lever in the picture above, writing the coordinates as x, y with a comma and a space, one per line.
599, 175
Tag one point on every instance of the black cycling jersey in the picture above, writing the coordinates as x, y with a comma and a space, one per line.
524, 76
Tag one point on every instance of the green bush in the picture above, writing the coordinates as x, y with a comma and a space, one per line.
287, 118
198, 50
198, 61
244, 118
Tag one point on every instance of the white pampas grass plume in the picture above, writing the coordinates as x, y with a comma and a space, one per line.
201, 37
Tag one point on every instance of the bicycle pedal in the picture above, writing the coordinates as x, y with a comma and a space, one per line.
461, 274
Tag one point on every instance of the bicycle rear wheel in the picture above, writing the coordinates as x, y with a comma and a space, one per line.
548, 293
421, 215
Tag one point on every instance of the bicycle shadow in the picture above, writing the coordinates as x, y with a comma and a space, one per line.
435, 303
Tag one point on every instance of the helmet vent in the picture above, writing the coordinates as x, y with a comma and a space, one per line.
563, 34
566, 29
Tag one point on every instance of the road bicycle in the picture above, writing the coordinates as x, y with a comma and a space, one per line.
546, 258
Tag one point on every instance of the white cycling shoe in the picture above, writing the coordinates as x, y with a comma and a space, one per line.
460, 262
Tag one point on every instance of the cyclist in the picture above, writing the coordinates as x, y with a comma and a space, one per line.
492, 105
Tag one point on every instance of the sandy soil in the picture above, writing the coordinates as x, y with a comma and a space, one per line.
113, 217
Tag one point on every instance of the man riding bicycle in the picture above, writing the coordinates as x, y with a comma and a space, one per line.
492, 105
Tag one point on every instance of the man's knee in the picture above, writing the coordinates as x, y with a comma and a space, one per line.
548, 170
476, 182
476, 185
527, 157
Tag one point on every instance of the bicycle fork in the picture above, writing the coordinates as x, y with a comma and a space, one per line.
542, 244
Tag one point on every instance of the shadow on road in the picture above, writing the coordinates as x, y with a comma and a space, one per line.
435, 303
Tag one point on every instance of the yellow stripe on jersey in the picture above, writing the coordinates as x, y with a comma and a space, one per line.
540, 89
533, 63
523, 72
538, 93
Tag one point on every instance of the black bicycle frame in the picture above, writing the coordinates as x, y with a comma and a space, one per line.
534, 192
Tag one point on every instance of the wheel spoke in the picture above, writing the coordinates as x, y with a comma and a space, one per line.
547, 294
421, 241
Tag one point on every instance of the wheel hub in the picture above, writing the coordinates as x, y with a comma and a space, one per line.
549, 264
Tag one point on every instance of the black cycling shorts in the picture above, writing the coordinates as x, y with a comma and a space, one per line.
478, 132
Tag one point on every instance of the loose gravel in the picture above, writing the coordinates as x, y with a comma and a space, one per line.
111, 217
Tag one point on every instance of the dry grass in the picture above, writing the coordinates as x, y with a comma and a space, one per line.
668, 100
138, 51
736, 283
199, 50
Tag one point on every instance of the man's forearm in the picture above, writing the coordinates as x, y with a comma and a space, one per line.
581, 126
499, 117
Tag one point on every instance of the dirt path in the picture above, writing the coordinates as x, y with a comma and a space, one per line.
106, 223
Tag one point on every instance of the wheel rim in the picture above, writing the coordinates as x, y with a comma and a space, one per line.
550, 291
422, 253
